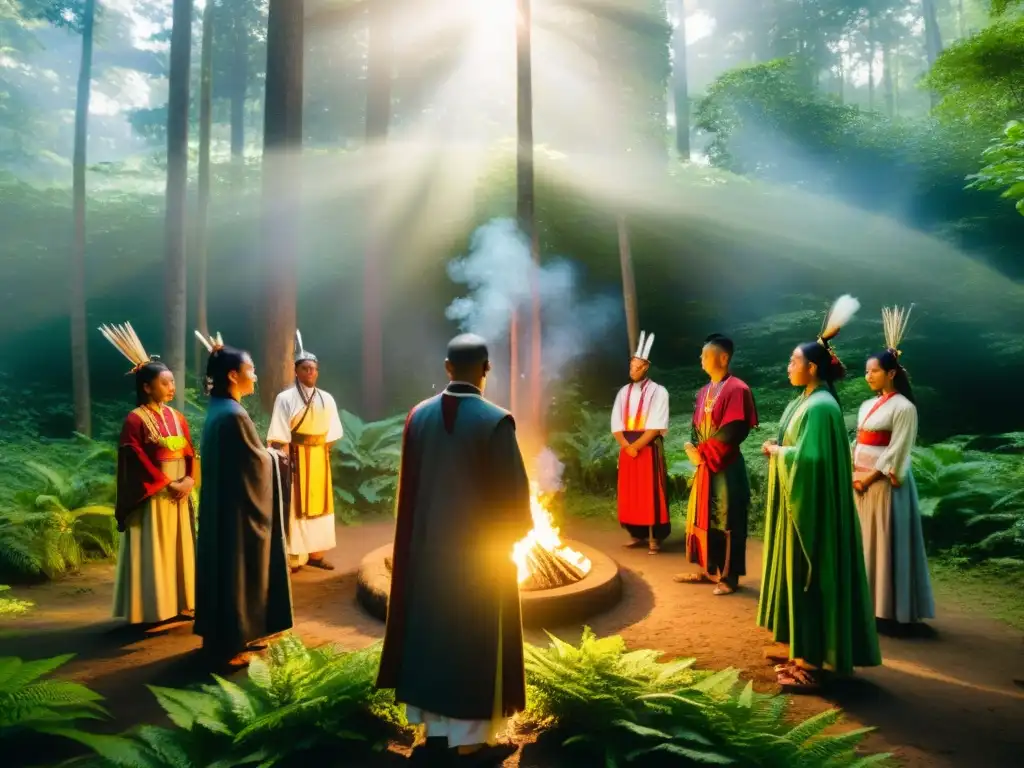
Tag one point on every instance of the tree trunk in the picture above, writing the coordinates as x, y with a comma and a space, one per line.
175, 306
932, 38
680, 84
379, 66
526, 209
872, 49
239, 87
282, 149
203, 202
79, 334
628, 286
887, 81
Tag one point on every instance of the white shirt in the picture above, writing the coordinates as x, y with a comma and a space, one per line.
654, 413
322, 417
898, 416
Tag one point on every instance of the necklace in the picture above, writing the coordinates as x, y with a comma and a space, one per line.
712, 396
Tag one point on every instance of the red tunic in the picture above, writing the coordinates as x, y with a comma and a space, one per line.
734, 403
142, 449
642, 499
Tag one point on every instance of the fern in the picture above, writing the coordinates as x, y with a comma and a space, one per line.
29, 703
623, 707
299, 701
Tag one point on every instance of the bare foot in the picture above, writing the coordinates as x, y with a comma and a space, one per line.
691, 578
634, 544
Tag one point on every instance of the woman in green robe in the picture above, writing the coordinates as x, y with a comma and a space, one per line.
814, 592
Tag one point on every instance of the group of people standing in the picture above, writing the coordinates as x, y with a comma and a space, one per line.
843, 537
265, 507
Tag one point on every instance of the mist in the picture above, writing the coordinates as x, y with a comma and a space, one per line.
498, 272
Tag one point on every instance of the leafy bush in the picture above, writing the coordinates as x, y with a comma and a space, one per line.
972, 500
365, 461
299, 704
61, 518
12, 606
622, 707
29, 704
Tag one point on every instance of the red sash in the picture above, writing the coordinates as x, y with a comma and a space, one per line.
875, 437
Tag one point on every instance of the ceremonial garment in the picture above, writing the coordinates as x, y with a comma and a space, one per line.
305, 423
814, 592
719, 504
243, 588
890, 512
155, 578
453, 647
643, 480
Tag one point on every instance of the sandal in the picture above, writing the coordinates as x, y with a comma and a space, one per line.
654, 548
634, 544
798, 680
723, 589
321, 564
691, 578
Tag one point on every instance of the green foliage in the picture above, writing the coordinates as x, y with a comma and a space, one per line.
623, 707
972, 499
365, 462
1004, 165
60, 516
29, 703
299, 704
12, 606
979, 76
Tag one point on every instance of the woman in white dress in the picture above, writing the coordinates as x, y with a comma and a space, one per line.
887, 502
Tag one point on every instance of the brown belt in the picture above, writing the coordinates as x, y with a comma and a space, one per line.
308, 439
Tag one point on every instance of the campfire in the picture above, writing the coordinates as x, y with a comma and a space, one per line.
543, 562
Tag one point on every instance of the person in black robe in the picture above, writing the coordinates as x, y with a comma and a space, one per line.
243, 588
453, 647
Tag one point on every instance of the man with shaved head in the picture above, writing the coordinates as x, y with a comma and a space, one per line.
453, 647
719, 507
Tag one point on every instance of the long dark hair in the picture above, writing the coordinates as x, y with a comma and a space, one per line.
890, 361
222, 362
147, 374
830, 367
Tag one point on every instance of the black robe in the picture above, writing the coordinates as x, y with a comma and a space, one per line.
454, 628
243, 586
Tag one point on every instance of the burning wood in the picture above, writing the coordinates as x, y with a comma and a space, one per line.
541, 559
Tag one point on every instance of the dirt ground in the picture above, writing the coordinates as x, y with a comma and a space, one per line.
945, 697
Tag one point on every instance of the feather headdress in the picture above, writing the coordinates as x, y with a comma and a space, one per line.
212, 343
838, 316
126, 341
301, 353
894, 326
643, 349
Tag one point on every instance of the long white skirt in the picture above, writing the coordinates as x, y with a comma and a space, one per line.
156, 562
460, 733
315, 534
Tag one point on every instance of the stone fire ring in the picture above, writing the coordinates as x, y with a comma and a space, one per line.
598, 591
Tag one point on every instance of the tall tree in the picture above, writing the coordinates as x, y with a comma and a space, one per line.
932, 39
79, 332
379, 72
526, 213
175, 306
680, 84
203, 197
282, 147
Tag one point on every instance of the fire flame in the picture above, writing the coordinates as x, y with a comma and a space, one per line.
543, 535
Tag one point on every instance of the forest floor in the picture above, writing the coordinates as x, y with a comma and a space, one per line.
945, 697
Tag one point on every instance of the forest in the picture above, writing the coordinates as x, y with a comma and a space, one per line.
352, 168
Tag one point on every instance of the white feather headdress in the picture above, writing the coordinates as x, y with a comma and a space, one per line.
126, 341
894, 326
212, 343
643, 348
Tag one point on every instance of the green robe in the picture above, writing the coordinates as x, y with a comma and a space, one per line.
814, 592
243, 585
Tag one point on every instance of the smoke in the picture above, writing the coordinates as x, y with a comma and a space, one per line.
548, 472
497, 272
